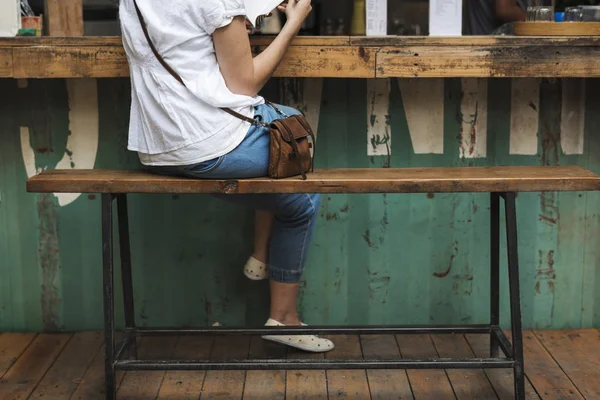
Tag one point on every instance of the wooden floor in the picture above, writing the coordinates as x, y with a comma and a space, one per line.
559, 365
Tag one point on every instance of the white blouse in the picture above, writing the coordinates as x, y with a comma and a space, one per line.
171, 124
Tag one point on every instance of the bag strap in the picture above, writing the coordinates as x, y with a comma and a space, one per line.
306, 126
172, 71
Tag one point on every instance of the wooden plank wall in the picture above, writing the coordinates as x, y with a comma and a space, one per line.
375, 259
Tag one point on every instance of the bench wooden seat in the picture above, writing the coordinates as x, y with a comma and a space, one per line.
500, 182
409, 180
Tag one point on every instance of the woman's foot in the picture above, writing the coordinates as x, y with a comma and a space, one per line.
309, 343
256, 270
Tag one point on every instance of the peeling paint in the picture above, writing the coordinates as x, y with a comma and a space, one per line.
384, 219
423, 101
545, 267
549, 211
367, 236
50, 261
545, 277
445, 273
473, 118
379, 133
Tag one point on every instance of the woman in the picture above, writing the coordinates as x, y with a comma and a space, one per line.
178, 128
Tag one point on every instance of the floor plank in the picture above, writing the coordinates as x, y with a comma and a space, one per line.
24, 375
91, 386
578, 354
425, 384
139, 385
305, 385
501, 379
180, 385
62, 379
347, 384
12, 345
545, 375
226, 384
561, 365
385, 384
467, 383
265, 384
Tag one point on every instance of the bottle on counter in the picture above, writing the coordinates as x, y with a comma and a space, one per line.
358, 27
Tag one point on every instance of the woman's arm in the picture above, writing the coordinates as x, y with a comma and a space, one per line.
244, 74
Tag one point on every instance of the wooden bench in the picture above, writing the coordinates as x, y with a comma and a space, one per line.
500, 182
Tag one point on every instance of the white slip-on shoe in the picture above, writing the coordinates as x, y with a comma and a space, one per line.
256, 270
309, 343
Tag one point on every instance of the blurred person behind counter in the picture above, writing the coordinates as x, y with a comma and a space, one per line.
485, 17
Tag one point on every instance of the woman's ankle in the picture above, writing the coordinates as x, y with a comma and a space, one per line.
261, 256
286, 318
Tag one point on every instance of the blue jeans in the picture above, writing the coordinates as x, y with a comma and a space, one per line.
295, 214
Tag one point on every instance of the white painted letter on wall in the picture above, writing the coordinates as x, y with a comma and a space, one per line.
82, 142
423, 101
524, 116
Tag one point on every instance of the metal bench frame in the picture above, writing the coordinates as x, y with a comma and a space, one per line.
123, 355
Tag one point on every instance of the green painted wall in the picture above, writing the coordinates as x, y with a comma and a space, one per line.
376, 258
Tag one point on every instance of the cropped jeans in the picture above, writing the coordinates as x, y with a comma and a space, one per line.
295, 214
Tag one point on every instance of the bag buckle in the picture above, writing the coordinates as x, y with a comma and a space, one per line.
277, 109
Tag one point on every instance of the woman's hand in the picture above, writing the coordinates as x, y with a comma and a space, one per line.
248, 26
296, 11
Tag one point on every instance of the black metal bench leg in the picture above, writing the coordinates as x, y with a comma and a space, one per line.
108, 294
126, 276
494, 270
515, 298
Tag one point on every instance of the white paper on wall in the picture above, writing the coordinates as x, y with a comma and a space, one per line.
376, 17
445, 17
10, 17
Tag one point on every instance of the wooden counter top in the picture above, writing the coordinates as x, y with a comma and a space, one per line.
333, 57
